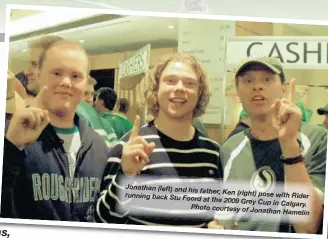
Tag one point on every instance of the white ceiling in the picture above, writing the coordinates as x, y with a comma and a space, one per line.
124, 34
130, 35
127, 33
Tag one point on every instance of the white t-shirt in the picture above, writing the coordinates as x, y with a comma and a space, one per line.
72, 144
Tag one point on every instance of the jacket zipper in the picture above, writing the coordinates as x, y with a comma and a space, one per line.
63, 152
78, 159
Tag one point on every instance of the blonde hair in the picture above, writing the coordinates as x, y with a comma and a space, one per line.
155, 74
67, 42
44, 42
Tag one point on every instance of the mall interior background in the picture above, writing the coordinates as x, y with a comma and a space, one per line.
110, 39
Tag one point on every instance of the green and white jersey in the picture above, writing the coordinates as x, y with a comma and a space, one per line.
119, 124
257, 162
100, 125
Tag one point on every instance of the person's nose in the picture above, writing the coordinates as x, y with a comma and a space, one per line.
258, 85
66, 81
179, 86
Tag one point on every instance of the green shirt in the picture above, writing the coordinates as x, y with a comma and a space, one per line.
100, 125
120, 124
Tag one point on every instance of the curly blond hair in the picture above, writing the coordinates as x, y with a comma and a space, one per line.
155, 74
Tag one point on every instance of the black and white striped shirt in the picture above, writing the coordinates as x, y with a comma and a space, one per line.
175, 162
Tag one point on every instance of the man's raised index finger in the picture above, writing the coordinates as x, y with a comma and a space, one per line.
292, 91
135, 129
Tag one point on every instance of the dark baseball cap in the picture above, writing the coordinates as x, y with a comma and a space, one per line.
272, 63
323, 110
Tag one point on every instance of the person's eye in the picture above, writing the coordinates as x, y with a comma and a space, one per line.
269, 79
76, 76
170, 81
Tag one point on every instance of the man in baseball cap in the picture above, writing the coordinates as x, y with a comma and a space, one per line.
271, 151
270, 63
324, 111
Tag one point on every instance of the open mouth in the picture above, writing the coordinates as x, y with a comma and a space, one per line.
178, 101
258, 98
63, 94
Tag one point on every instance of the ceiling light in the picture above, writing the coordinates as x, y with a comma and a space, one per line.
24, 50
171, 27
81, 41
